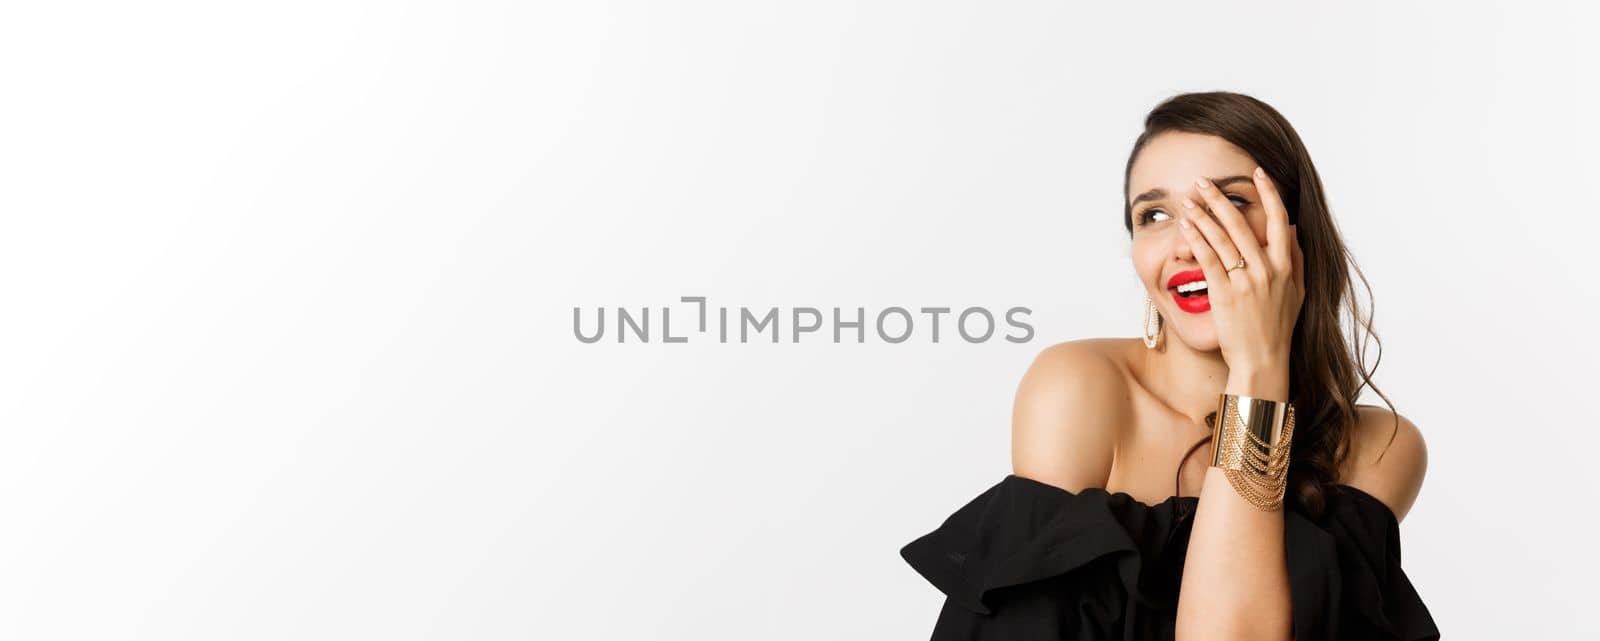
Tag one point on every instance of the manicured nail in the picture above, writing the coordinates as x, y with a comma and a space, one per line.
1188, 203
1202, 183
1260, 173
1185, 222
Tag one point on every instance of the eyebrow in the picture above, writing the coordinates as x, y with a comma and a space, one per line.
1159, 193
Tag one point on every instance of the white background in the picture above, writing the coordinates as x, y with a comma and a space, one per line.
287, 337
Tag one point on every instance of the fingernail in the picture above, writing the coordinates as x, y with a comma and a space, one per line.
1202, 183
1260, 173
1188, 203
1185, 222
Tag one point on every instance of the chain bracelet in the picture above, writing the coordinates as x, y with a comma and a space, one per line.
1250, 442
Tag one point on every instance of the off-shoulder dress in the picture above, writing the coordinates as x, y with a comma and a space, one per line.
1026, 561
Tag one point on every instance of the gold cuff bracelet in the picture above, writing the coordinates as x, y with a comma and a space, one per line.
1250, 442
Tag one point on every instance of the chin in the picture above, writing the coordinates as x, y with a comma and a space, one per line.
1198, 334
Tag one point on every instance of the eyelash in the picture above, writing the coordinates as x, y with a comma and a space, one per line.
1144, 216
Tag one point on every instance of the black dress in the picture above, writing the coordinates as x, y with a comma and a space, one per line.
1028, 561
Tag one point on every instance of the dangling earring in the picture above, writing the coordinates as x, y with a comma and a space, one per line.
1154, 327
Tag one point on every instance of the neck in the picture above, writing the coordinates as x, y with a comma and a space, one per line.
1188, 380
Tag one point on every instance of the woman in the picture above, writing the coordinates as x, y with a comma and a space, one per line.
1291, 529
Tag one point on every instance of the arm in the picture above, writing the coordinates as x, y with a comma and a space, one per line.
1235, 577
1064, 421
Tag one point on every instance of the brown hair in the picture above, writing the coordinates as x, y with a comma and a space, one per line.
1326, 367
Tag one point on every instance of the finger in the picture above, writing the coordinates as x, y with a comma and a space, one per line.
1227, 255
1209, 263
1239, 232
1279, 238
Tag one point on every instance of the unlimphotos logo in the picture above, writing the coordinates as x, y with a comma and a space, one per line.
890, 324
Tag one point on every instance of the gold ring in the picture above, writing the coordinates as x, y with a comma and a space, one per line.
1238, 266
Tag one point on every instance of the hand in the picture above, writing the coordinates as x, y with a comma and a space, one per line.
1253, 308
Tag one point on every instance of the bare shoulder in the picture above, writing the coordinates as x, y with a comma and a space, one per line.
1069, 409
1388, 458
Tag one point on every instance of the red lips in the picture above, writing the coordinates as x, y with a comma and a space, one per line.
1194, 304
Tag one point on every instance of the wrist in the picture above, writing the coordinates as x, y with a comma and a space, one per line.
1268, 380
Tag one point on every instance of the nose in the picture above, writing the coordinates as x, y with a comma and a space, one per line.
1180, 247
1180, 243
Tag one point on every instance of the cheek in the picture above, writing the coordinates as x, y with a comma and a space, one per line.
1147, 261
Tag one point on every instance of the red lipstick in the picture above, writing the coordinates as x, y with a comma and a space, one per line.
1194, 302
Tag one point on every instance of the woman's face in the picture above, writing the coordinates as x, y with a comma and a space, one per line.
1162, 176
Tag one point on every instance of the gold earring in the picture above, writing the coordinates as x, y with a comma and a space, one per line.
1154, 328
